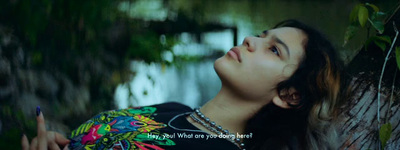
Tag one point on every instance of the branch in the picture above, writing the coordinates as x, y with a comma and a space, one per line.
380, 79
389, 112
394, 12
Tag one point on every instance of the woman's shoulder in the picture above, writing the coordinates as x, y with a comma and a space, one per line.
169, 107
141, 111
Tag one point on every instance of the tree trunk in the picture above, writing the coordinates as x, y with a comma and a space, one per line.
359, 124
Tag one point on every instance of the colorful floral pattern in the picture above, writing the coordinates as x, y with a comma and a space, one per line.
120, 130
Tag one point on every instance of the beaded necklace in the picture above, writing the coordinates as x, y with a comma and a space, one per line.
213, 127
208, 124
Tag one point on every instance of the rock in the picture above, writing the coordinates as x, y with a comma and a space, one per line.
27, 102
5, 68
81, 100
48, 86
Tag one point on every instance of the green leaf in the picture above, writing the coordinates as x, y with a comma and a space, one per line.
354, 13
37, 57
363, 15
350, 32
384, 133
376, 9
380, 41
378, 16
380, 44
385, 38
378, 25
377, 20
398, 56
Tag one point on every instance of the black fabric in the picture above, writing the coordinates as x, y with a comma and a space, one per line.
137, 129
169, 110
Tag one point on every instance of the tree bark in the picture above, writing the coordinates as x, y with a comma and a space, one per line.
359, 125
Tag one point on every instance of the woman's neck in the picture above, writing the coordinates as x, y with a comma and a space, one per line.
229, 111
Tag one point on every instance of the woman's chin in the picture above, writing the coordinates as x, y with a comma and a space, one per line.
225, 64
223, 68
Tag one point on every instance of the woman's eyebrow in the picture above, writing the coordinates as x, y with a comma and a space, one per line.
265, 32
282, 43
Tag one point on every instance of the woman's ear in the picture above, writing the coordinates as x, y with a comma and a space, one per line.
287, 98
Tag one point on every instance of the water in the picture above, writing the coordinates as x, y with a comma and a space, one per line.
190, 83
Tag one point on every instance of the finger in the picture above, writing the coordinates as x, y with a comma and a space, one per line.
53, 146
24, 142
66, 147
60, 139
41, 129
33, 145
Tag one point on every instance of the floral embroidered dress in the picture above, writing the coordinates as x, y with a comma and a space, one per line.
156, 127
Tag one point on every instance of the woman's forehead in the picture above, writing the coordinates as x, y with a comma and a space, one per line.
294, 38
287, 30
288, 33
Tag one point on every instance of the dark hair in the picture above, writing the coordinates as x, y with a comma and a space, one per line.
317, 81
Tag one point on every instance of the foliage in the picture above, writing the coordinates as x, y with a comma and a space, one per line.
51, 29
380, 41
398, 56
358, 19
384, 133
75, 37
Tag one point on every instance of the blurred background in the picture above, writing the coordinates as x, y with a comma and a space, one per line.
77, 58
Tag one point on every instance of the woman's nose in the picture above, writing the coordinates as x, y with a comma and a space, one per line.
249, 43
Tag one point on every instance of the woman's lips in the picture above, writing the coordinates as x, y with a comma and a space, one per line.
235, 54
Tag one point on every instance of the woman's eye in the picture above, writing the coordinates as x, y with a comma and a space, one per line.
275, 50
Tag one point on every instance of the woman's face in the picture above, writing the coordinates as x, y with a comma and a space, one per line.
253, 70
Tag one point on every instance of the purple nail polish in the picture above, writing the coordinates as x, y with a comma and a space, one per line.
37, 110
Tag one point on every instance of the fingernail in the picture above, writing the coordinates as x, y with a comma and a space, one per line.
37, 110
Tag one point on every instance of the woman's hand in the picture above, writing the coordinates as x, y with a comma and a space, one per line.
45, 139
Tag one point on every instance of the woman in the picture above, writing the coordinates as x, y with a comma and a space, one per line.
280, 90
